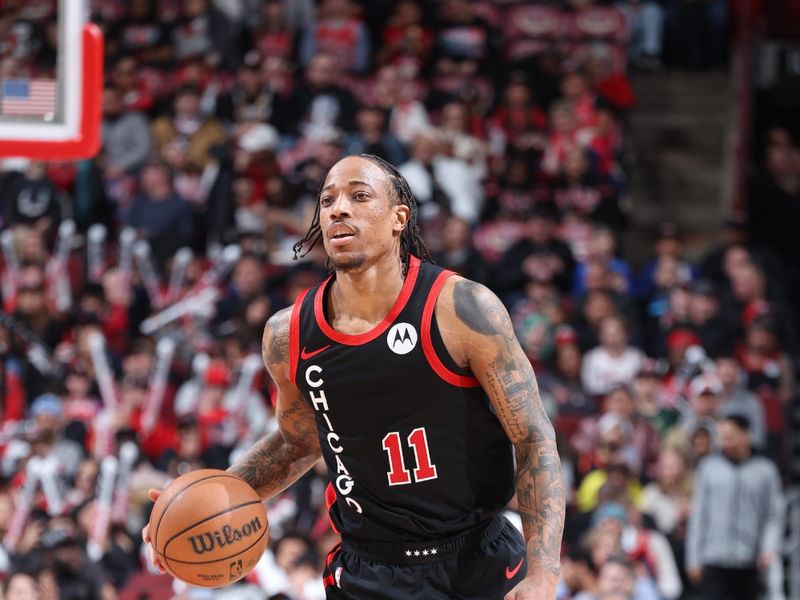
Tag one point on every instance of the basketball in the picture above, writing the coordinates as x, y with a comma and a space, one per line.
209, 528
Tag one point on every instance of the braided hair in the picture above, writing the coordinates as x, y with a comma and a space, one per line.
410, 238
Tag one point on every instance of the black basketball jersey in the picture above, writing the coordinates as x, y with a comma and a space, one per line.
413, 448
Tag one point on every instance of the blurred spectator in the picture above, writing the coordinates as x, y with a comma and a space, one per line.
339, 32
247, 282
668, 247
457, 251
251, 99
563, 383
614, 362
32, 199
601, 262
668, 499
372, 137
399, 93
518, 124
405, 37
465, 42
738, 400
724, 550
141, 34
704, 395
455, 129
648, 549
617, 579
32, 310
159, 214
137, 93
610, 474
203, 31
538, 256
273, 36
320, 103
705, 317
578, 576
610, 83
442, 185
187, 128
648, 397
126, 135
581, 189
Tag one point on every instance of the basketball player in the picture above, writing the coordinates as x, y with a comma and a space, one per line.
409, 382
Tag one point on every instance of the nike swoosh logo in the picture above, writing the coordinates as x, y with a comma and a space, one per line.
307, 355
511, 572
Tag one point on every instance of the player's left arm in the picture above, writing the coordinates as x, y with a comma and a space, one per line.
478, 333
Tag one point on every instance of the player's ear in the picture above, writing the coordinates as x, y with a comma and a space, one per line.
400, 214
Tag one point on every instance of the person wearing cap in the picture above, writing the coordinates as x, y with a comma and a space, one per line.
647, 390
704, 399
736, 523
49, 439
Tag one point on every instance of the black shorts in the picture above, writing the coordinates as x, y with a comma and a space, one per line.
484, 564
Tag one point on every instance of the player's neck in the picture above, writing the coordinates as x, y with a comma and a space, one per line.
367, 294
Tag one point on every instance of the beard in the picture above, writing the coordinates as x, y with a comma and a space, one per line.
348, 262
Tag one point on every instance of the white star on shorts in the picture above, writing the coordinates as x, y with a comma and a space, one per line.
416, 552
425, 553
433, 550
408, 552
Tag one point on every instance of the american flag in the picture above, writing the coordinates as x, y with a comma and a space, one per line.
28, 97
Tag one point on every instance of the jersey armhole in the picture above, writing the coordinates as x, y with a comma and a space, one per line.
427, 343
294, 336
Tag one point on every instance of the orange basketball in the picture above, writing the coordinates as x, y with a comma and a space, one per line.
209, 528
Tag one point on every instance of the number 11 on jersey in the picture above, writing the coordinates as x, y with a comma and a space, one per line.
398, 474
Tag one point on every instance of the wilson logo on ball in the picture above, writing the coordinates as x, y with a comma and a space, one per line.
208, 540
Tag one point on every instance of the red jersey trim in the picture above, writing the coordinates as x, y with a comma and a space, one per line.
427, 344
330, 500
367, 336
294, 336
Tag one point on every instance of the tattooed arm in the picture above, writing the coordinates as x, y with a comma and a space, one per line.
277, 460
280, 458
478, 333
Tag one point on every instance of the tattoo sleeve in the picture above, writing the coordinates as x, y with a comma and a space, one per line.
504, 371
277, 460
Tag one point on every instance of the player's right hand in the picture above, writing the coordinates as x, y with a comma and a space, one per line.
153, 494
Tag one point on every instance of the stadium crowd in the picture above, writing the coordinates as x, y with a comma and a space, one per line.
135, 286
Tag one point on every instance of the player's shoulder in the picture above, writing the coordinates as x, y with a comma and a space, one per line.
275, 341
280, 320
469, 305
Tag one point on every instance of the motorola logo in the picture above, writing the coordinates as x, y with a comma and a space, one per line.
402, 338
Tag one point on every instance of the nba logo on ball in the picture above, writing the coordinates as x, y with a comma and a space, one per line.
402, 338
236, 569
